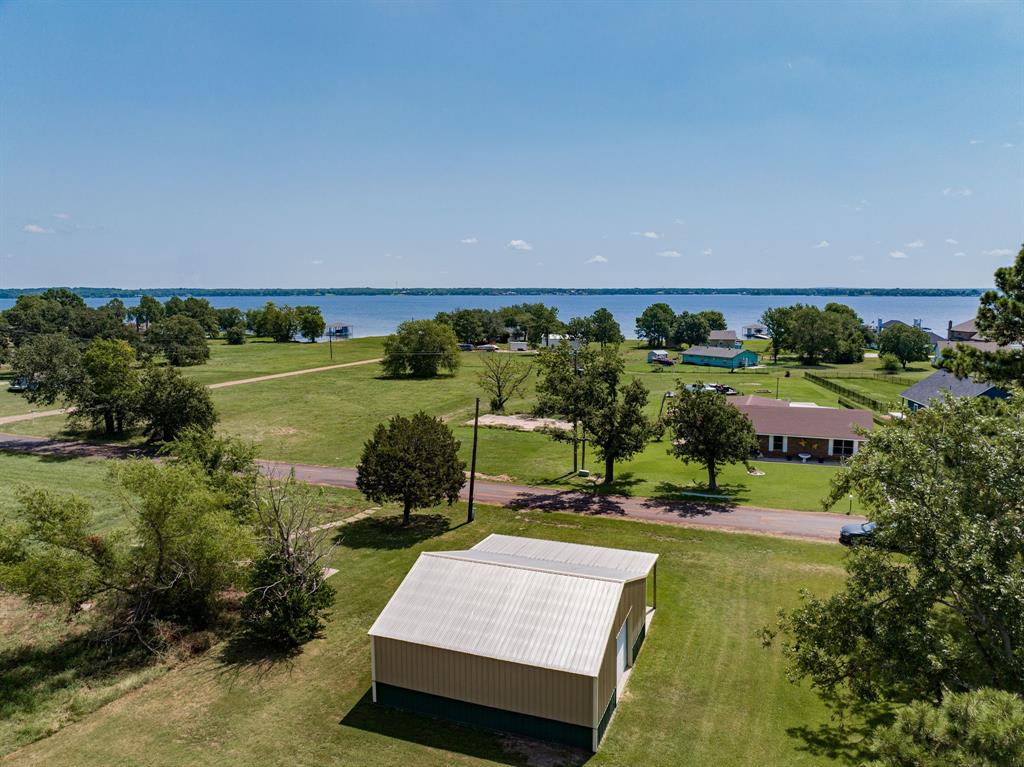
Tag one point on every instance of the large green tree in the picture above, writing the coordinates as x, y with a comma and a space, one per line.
655, 324
691, 329
715, 319
1000, 319
311, 322
605, 329
982, 728
181, 339
776, 320
169, 403
937, 603
709, 431
51, 365
586, 386
421, 348
905, 343
414, 461
109, 391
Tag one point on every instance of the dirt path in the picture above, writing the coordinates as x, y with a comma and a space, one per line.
223, 384
806, 525
290, 373
30, 416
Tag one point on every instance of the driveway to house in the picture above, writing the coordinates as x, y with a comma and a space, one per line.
806, 525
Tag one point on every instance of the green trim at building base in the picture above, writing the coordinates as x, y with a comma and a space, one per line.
485, 717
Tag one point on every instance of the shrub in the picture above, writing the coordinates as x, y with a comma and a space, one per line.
889, 362
235, 335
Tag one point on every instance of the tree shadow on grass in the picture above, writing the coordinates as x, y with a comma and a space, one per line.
30, 674
389, 533
440, 734
735, 494
245, 657
844, 739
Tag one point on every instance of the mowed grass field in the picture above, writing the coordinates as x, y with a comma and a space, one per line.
325, 417
703, 692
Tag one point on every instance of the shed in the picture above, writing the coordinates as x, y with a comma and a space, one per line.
657, 354
721, 358
518, 346
516, 635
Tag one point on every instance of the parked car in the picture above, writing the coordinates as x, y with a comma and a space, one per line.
465, 347
19, 385
857, 533
487, 348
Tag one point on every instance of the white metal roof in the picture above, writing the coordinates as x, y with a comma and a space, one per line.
544, 565
632, 564
528, 616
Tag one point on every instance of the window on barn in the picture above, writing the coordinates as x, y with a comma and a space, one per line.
842, 447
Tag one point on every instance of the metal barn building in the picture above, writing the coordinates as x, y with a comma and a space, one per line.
517, 635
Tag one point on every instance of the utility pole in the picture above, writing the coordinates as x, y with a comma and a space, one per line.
471, 513
330, 341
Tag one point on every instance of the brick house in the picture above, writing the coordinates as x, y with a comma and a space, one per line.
786, 429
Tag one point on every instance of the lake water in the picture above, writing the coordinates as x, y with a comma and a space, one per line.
380, 315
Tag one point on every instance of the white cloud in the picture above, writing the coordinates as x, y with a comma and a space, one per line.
669, 254
951, 241
648, 235
519, 245
963, 191
469, 240
1008, 145
62, 216
915, 244
679, 221
317, 261
597, 260
959, 253
975, 141
997, 252
707, 252
35, 229
897, 254
822, 244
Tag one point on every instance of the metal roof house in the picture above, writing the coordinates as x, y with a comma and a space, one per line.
720, 358
517, 635
723, 339
942, 382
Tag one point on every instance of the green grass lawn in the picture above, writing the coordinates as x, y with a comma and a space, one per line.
703, 691
261, 357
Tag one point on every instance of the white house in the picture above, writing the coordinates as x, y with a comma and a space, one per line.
754, 330
552, 341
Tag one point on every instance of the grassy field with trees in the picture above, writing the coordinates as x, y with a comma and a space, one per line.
688, 701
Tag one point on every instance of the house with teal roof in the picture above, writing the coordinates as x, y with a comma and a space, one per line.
714, 356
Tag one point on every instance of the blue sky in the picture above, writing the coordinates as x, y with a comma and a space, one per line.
466, 144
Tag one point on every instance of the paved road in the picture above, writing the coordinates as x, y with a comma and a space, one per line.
808, 525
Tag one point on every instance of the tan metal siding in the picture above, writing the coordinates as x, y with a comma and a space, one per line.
633, 605
547, 693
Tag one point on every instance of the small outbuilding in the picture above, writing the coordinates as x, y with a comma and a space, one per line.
517, 635
657, 354
719, 358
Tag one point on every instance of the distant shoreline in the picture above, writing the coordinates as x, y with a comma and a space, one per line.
199, 292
